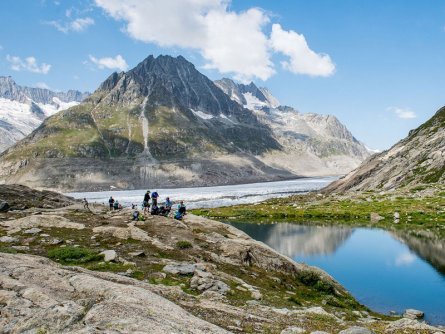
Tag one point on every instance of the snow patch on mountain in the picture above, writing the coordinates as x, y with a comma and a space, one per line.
201, 114
17, 119
23, 109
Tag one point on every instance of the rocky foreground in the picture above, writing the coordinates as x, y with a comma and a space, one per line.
162, 276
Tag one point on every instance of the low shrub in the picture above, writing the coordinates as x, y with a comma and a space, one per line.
184, 244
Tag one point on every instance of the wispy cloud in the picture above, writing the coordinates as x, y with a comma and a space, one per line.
28, 64
117, 62
237, 43
42, 85
403, 113
76, 25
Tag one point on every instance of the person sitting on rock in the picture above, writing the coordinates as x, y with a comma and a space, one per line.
116, 205
111, 202
135, 213
182, 209
179, 214
154, 210
166, 208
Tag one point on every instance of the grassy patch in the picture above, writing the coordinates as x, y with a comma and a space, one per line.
74, 255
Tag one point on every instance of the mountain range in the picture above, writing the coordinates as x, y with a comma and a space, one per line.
22, 109
165, 123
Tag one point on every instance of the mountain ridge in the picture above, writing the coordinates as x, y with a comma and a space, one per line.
417, 159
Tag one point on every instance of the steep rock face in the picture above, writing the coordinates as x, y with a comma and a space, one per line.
417, 159
161, 123
22, 109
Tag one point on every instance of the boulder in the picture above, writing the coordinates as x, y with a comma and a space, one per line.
319, 332
33, 230
292, 330
408, 324
4, 206
8, 239
109, 255
181, 268
375, 217
356, 330
256, 295
413, 314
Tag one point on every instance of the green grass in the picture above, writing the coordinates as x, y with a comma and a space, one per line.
74, 255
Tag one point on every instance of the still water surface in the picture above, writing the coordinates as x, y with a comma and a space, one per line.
383, 270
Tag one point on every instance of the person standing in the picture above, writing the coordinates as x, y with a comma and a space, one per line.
111, 202
85, 203
154, 198
146, 202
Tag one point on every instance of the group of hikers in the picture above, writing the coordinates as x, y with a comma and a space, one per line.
163, 210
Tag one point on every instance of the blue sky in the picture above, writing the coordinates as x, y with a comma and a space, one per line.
376, 65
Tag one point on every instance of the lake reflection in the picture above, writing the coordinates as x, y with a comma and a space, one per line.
386, 272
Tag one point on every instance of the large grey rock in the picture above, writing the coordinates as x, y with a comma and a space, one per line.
182, 268
8, 239
408, 324
293, 330
356, 330
413, 314
33, 230
37, 295
109, 255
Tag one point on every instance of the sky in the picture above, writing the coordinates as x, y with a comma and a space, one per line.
378, 66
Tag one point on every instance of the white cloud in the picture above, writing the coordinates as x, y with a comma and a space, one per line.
229, 41
302, 60
405, 259
42, 85
117, 62
28, 64
403, 113
76, 25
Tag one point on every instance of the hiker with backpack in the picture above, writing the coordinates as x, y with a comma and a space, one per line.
111, 202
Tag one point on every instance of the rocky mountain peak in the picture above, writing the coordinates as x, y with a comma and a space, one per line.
249, 96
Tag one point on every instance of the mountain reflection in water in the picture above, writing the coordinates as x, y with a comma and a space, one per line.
430, 249
293, 240
384, 270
